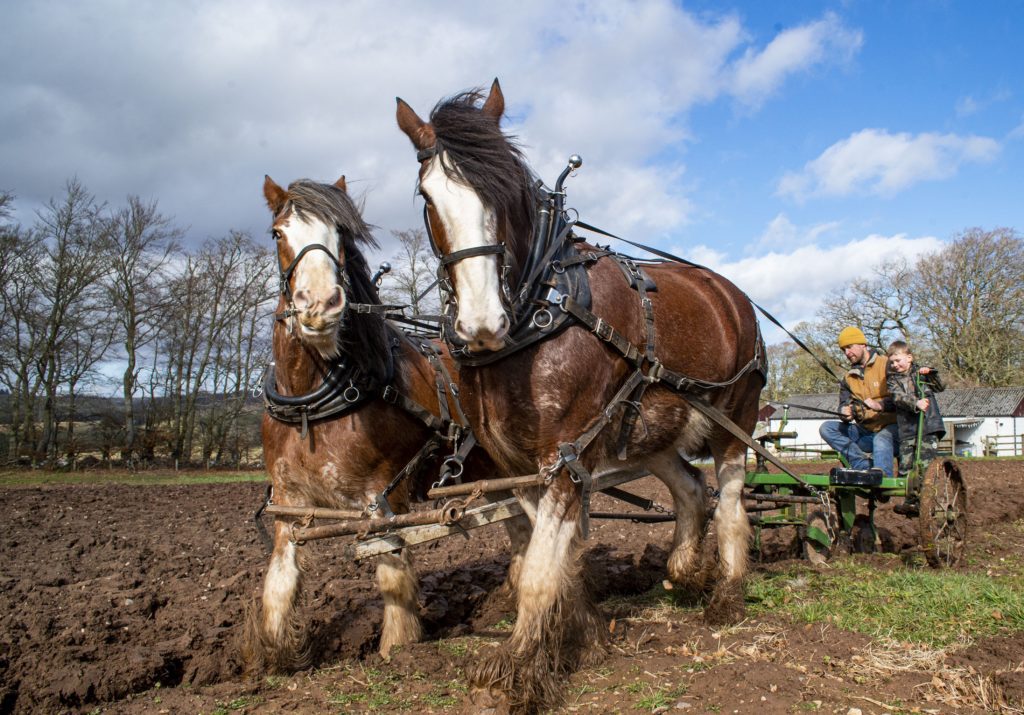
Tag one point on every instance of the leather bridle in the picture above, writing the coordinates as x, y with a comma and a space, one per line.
285, 274
447, 259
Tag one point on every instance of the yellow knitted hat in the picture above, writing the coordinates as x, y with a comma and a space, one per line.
851, 336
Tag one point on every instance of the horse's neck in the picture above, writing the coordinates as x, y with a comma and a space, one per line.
297, 371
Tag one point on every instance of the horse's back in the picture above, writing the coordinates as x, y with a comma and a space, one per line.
704, 325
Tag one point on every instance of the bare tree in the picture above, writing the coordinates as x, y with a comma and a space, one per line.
66, 274
214, 292
970, 298
793, 371
141, 245
241, 352
412, 272
19, 329
881, 305
50, 305
88, 341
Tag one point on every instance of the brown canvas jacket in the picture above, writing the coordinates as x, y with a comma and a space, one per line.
868, 381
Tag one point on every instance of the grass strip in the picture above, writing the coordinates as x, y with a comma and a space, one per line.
42, 477
936, 608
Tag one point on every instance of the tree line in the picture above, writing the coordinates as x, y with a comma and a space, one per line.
961, 310
98, 300
92, 295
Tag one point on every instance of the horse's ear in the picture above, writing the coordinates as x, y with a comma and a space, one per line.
274, 194
419, 132
411, 123
494, 107
340, 183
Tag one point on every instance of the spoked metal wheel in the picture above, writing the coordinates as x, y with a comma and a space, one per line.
813, 536
942, 524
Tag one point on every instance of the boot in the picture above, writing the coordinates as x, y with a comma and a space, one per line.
911, 506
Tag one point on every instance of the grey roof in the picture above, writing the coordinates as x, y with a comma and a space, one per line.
983, 402
970, 402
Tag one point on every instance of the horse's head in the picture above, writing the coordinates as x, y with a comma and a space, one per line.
316, 228
478, 205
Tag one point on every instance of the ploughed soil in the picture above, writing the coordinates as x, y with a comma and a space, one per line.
131, 599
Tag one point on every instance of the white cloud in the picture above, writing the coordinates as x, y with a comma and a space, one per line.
791, 285
966, 106
1018, 131
783, 234
873, 161
758, 74
193, 103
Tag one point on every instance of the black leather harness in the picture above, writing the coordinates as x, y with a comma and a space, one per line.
553, 292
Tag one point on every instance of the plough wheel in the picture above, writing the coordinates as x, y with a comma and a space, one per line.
942, 524
816, 530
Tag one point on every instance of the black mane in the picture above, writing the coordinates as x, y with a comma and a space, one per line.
363, 337
491, 162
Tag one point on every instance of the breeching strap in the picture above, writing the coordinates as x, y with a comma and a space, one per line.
676, 259
682, 384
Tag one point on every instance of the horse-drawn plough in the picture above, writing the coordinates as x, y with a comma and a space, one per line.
822, 508
574, 365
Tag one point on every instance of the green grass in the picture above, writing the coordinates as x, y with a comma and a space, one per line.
374, 689
235, 705
936, 608
659, 697
28, 478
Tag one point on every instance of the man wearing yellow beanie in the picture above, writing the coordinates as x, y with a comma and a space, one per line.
869, 417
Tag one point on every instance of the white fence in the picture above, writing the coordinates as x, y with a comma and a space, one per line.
1004, 445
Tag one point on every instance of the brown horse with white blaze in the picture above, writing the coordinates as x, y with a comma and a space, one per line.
545, 402
330, 437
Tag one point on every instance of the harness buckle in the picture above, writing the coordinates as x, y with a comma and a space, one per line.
454, 432
654, 374
390, 394
603, 330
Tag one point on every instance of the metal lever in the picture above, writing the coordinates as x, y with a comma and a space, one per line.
384, 268
575, 162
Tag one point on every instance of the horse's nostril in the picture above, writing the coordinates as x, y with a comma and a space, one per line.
335, 300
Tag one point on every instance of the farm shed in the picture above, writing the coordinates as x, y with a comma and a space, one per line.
979, 421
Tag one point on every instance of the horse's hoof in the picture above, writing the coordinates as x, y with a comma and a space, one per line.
485, 702
727, 607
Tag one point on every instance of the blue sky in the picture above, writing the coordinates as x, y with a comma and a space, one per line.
789, 145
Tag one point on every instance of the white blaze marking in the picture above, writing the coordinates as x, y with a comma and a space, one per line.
315, 273
468, 224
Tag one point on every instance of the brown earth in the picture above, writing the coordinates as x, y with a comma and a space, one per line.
130, 599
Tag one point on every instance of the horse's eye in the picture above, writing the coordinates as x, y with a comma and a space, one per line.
426, 196
276, 234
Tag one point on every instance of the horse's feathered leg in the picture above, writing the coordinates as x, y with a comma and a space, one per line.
519, 530
733, 527
557, 624
398, 586
275, 639
689, 500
